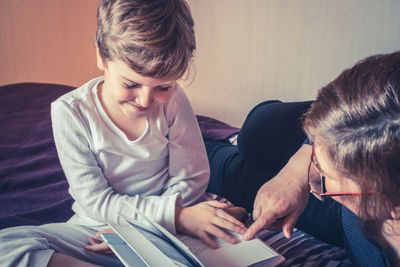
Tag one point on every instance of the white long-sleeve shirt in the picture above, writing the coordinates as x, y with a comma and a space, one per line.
108, 174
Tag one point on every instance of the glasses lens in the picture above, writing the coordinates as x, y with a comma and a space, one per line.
316, 181
316, 184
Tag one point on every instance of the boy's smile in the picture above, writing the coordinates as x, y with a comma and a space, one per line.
135, 106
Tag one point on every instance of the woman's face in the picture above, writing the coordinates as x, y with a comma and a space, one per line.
334, 182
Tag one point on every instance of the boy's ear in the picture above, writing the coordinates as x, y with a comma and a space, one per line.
100, 62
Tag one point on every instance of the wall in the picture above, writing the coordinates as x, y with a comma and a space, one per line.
253, 50
247, 50
47, 41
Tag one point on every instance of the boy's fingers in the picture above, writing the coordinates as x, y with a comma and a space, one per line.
94, 241
98, 246
107, 231
208, 240
217, 204
227, 218
227, 225
219, 233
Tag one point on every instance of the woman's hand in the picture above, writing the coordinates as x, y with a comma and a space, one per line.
209, 220
280, 201
100, 246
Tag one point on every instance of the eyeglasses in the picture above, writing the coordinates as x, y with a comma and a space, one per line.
318, 189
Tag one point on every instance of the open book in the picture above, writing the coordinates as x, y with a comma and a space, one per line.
152, 245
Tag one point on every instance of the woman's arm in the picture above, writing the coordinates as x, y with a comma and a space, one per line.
283, 198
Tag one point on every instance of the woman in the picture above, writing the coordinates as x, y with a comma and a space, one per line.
351, 161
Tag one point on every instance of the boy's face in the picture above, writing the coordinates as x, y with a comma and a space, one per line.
128, 92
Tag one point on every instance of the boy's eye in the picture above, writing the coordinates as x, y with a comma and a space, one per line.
130, 86
164, 88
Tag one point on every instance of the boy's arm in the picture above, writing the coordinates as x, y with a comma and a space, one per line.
188, 164
94, 197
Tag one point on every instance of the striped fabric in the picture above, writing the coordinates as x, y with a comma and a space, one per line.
304, 250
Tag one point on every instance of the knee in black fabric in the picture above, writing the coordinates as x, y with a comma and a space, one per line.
230, 176
220, 154
272, 133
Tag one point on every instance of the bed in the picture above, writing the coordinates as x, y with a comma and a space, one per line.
34, 191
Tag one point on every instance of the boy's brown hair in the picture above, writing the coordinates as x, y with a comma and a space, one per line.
155, 38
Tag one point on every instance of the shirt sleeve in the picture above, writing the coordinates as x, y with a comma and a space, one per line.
188, 164
93, 195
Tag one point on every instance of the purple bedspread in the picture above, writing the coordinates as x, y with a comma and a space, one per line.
215, 129
33, 188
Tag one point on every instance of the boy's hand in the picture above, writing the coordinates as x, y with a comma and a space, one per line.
209, 220
98, 245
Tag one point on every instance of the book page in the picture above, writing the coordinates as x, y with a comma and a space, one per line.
245, 253
194, 244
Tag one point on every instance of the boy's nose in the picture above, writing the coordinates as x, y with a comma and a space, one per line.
145, 97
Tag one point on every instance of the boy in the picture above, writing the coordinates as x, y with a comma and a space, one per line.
127, 141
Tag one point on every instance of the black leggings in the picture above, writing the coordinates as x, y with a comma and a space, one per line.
270, 135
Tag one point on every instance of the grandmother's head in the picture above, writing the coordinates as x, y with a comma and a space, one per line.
354, 125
